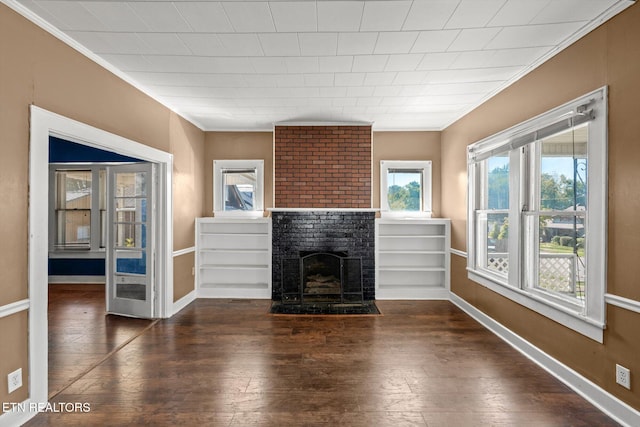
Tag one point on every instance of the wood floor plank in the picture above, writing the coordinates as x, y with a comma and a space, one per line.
230, 363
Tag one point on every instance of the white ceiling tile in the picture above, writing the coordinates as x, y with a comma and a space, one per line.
117, 16
474, 75
558, 11
34, 5
318, 79
205, 16
437, 61
241, 44
320, 102
160, 16
290, 80
349, 79
248, 17
379, 79
410, 77
335, 64
333, 92
473, 39
294, 16
517, 12
384, 15
339, 15
498, 58
370, 63
474, 13
356, 43
129, 62
395, 42
307, 64
269, 65
532, 35
344, 102
461, 88
191, 79
360, 91
406, 62
318, 44
429, 14
203, 44
385, 91
368, 101
280, 44
395, 100
164, 44
98, 42
434, 41
412, 90
261, 80
74, 16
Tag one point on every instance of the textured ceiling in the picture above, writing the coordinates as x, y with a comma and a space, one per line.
245, 65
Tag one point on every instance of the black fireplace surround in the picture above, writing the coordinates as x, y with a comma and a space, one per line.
297, 234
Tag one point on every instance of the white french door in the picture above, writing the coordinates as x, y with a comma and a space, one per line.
130, 272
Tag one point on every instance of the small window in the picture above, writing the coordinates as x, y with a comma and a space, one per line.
405, 188
73, 209
238, 187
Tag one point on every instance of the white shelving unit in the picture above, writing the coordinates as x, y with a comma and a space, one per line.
233, 258
412, 258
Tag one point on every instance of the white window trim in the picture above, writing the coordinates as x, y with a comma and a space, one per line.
590, 319
218, 191
94, 251
425, 166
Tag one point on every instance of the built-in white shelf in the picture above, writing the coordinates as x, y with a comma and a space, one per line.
233, 257
412, 258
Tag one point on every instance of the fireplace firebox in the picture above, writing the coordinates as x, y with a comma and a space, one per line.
322, 277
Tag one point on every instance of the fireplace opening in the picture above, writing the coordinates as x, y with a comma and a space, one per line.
322, 278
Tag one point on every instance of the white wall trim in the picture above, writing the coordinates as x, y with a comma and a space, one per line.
606, 402
16, 416
458, 252
622, 302
14, 307
93, 280
184, 301
184, 251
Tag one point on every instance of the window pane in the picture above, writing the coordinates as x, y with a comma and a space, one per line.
73, 209
498, 182
559, 259
239, 189
404, 192
493, 242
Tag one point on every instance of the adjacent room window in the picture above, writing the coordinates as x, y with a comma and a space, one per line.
78, 209
405, 188
537, 213
238, 187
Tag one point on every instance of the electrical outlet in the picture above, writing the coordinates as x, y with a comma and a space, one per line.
15, 380
623, 376
193, 271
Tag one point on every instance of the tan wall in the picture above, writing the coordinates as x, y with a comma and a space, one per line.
237, 146
37, 68
608, 56
408, 146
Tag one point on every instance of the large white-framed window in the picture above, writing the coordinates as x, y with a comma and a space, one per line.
238, 188
537, 213
405, 188
77, 208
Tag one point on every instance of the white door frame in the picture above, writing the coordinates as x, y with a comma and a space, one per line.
43, 124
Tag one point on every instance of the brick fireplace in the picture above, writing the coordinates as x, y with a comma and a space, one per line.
322, 205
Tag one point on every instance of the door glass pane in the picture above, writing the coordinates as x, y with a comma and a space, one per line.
239, 189
129, 235
404, 189
136, 291
131, 262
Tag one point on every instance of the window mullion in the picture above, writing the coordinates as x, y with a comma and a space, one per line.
515, 226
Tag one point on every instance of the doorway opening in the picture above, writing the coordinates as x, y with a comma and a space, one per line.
159, 269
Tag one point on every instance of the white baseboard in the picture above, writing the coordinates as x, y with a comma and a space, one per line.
19, 414
411, 293
78, 279
603, 400
184, 301
238, 293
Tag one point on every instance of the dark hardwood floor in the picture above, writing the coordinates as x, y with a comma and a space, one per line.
229, 363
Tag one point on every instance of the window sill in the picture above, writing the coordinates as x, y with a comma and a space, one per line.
560, 314
405, 215
71, 253
239, 214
